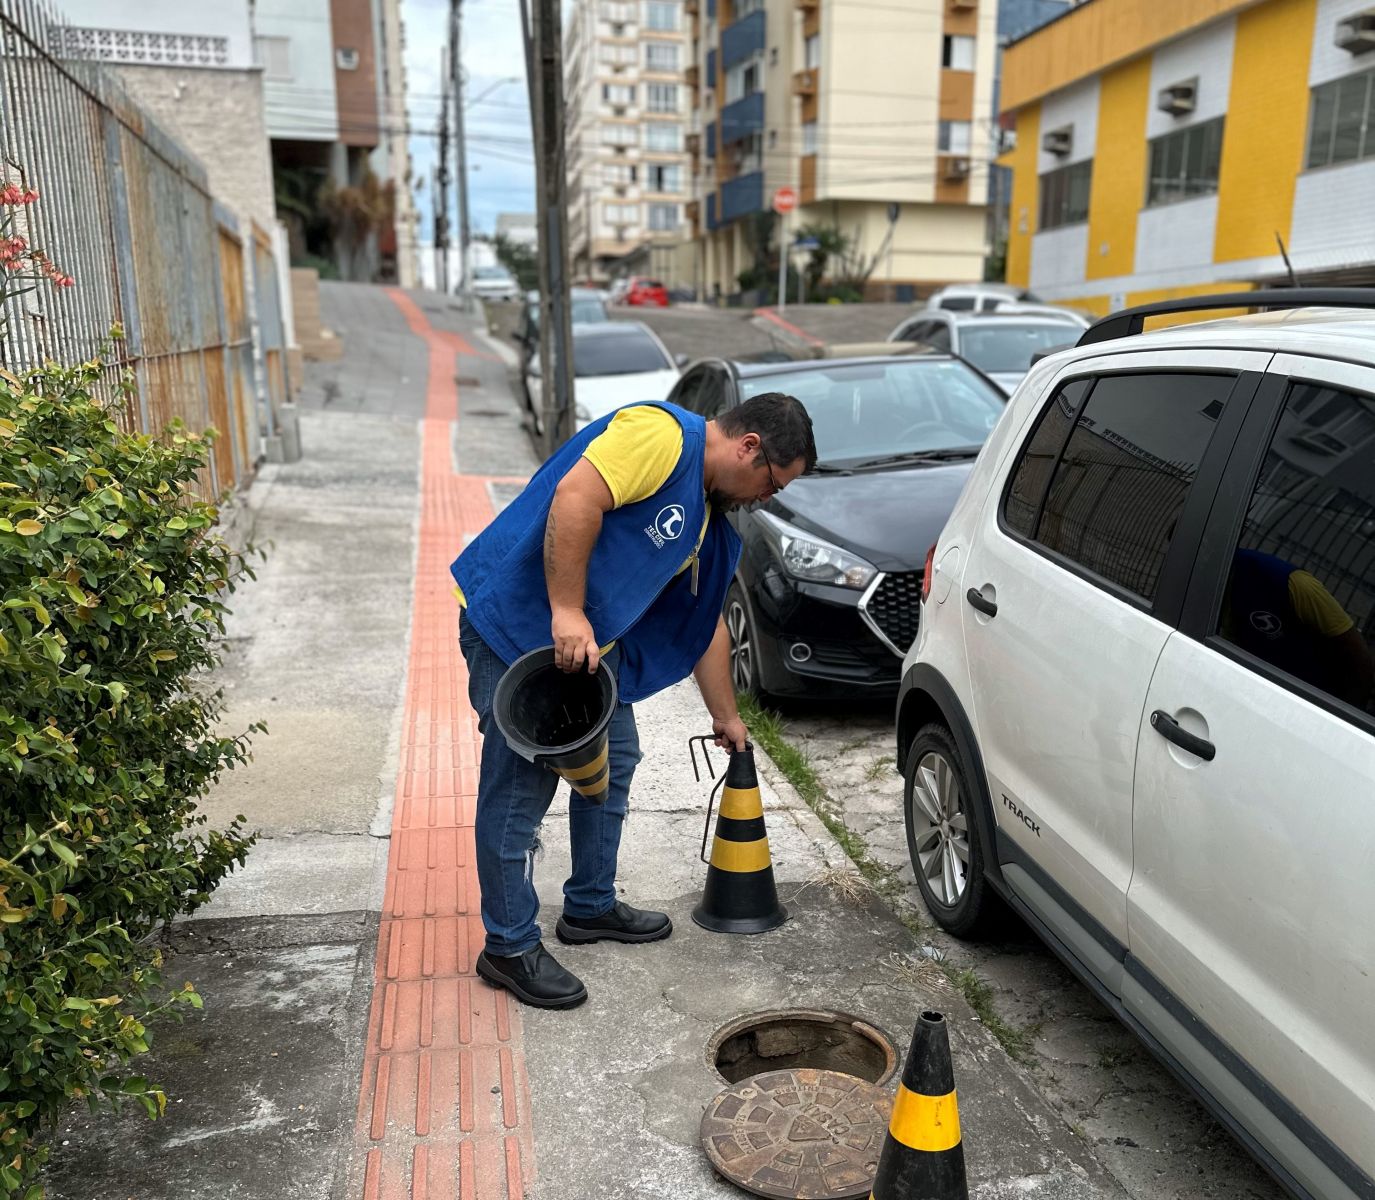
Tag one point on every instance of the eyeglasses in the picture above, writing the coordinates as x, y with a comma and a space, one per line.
774, 485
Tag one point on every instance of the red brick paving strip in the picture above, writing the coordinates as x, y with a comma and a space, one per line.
444, 1109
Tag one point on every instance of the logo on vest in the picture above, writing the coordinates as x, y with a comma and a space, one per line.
1267, 623
668, 525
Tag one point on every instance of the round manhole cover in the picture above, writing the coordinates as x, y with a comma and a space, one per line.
813, 1135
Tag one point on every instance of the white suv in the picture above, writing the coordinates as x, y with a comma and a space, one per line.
1139, 708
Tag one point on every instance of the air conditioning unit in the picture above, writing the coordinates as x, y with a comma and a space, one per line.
1356, 33
1058, 142
957, 168
1179, 98
346, 60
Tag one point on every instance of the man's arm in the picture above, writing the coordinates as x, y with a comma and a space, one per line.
575, 519
714, 682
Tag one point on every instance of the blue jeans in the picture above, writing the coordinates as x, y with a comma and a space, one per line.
512, 797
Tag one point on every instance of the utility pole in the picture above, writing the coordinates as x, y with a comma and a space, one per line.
461, 144
544, 67
441, 207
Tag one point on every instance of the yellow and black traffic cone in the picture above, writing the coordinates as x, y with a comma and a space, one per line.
559, 718
922, 1156
740, 895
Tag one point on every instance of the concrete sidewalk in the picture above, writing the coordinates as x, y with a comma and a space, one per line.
274, 1085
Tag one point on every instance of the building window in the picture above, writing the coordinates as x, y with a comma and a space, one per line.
663, 97
625, 56
744, 79
1065, 195
618, 174
743, 8
663, 136
661, 56
813, 51
663, 177
620, 135
618, 13
1342, 126
274, 56
663, 217
953, 137
662, 15
621, 214
618, 93
957, 53
808, 137
1184, 163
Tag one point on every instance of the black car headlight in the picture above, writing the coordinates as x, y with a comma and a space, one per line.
807, 557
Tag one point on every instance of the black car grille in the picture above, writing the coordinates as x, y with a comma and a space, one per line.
895, 607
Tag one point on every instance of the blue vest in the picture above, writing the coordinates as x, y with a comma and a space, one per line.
636, 596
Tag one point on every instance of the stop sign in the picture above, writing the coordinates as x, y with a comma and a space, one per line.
785, 200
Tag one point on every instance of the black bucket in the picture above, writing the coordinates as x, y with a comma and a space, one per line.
558, 718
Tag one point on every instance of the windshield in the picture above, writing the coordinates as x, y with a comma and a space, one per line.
896, 407
1009, 347
491, 273
589, 311
621, 353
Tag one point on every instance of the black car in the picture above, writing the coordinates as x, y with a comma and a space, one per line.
826, 599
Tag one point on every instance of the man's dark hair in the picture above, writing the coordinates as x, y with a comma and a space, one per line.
782, 424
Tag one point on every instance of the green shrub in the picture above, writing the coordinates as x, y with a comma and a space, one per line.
112, 599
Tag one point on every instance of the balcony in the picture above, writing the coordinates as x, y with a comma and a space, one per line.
805, 82
691, 77
742, 196
693, 141
743, 39
743, 118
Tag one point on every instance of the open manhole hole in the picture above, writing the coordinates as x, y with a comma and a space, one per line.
817, 1039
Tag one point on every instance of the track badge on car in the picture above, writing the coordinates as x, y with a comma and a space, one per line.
1020, 815
668, 525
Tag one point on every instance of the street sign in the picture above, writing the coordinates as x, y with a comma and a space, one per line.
784, 200
806, 244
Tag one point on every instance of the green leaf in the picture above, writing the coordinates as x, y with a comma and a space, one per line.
29, 527
25, 1108
134, 1085
117, 691
63, 851
115, 530
77, 1004
177, 523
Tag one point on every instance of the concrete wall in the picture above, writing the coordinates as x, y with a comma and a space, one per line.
304, 106
226, 18
218, 116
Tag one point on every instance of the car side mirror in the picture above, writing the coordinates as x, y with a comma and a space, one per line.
681, 359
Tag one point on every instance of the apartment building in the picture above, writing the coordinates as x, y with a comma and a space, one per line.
1166, 149
879, 115
625, 67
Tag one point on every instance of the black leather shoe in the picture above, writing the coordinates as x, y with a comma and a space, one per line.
620, 923
534, 977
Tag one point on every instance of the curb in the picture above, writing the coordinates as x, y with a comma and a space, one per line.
783, 330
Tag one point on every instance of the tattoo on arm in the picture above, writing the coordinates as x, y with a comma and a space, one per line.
549, 568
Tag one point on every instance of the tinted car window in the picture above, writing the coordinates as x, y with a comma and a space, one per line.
621, 353
1028, 487
1125, 473
1008, 348
687, 389
894, 407
958, 303
935, 334
712, 398
1301, 589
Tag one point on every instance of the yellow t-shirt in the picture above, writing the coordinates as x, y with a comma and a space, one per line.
635, 454
1316, 607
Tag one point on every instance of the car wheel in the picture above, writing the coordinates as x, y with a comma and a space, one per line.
943, 823
744, 643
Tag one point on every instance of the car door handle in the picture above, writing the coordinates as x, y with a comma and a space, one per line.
988, 607
1172, 731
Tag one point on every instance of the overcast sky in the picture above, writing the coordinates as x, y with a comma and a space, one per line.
501, 172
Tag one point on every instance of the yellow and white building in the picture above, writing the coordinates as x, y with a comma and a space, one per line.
857, 105
1165, 147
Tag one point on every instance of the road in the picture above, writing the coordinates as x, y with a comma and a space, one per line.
1151, 1134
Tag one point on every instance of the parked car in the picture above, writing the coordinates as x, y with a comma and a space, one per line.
1000, 344
494, 283
643, 292
614, 363
825, 601
977, 297
1139, 708
586, 308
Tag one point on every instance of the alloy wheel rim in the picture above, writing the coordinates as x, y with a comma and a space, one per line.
940, 829
741, 649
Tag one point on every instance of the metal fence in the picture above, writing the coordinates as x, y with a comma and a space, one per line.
127, 212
